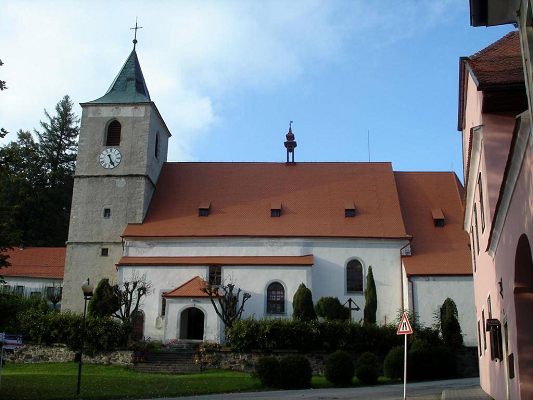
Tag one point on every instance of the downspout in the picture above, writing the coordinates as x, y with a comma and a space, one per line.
401, 270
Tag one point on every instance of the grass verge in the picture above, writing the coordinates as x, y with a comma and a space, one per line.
58, 381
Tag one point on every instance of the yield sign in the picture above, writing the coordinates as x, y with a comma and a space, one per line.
405, 327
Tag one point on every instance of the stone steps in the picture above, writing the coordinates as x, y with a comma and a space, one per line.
169, 361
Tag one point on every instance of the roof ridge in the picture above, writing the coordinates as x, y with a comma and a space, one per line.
279, 162
493, 46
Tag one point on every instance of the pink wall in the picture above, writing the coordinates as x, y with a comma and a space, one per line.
519, 221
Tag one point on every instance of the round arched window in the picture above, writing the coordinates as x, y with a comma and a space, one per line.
275, 298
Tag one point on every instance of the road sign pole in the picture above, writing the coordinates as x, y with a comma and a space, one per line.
405, 369
1, 360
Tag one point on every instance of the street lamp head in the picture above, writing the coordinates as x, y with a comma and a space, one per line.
87, 288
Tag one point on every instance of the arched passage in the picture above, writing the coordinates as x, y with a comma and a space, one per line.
192, 324
523, 296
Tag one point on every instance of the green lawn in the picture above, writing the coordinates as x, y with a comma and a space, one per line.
58, 381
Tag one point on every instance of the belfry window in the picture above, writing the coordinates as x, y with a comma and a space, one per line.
113, 134
275, 298
157, 145
354, 276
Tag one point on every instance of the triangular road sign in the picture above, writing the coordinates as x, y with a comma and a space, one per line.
405, 327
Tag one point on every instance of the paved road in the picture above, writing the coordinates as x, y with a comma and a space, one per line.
420, 391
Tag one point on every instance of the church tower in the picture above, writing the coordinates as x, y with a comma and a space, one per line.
122, 147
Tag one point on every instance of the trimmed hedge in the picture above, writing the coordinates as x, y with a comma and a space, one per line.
393, 364
368, 368
340, 368
295, 372
282, 334
101, 334
267, 369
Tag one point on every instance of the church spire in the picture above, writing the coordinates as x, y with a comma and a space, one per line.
290, 144
129, 86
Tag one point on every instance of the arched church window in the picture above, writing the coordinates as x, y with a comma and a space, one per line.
275, 298
113, 134
354, 276
157, 145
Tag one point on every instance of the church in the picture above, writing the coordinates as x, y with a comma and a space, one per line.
265, 227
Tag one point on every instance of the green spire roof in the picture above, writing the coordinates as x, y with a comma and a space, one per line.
129, 85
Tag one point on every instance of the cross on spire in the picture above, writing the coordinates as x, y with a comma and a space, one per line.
135, 39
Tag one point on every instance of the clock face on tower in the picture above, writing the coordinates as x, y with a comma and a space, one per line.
110, 158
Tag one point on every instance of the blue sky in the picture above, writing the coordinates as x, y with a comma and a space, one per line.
228, 76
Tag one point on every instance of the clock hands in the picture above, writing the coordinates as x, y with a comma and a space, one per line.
111, 160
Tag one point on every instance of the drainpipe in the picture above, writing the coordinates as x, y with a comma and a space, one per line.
401, 270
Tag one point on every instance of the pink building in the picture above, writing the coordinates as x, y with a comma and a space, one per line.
495, 125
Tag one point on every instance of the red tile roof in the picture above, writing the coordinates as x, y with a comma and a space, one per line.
36, 262
306, 260
191, 288
497, 65
500, 63
313, 197
435, 250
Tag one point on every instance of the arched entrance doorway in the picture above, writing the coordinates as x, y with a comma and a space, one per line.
138, 326
523, 296
192, 324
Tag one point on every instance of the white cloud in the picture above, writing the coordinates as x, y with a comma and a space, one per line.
193, 54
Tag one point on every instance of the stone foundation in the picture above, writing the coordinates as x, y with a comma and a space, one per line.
34, 353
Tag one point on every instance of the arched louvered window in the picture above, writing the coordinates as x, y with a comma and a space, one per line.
275, 298
113, 134
354, 276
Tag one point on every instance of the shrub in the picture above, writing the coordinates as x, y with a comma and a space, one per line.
340, 368
282, 334
430, 363
330, 308
303, 309
12, 305
101, 334
267, 369
449, 323
371, 299
104, 301
393, 364
368, 368
295, 372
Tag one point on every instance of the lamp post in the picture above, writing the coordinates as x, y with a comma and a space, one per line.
87, 289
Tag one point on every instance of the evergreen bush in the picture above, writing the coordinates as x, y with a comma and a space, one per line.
371, 299
393, 363
104, 301
12, 305
295, 372
449, 323
267, 369
101, 334
368, 368
340, 368
330, 308
302, 303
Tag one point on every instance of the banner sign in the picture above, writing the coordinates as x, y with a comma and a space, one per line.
11, 341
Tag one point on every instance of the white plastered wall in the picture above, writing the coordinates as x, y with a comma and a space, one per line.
327, 277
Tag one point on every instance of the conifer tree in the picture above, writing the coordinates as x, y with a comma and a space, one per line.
302, 304
104, 301
449, 322
371, 299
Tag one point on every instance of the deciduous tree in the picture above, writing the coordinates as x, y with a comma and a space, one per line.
228, 304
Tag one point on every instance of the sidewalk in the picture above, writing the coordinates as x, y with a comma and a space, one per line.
472, 393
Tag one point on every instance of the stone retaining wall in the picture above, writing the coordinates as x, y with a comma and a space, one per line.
34, 353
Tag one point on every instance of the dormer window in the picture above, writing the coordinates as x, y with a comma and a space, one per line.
113, 134
349, 210
438, 217
275, 209
203, 208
